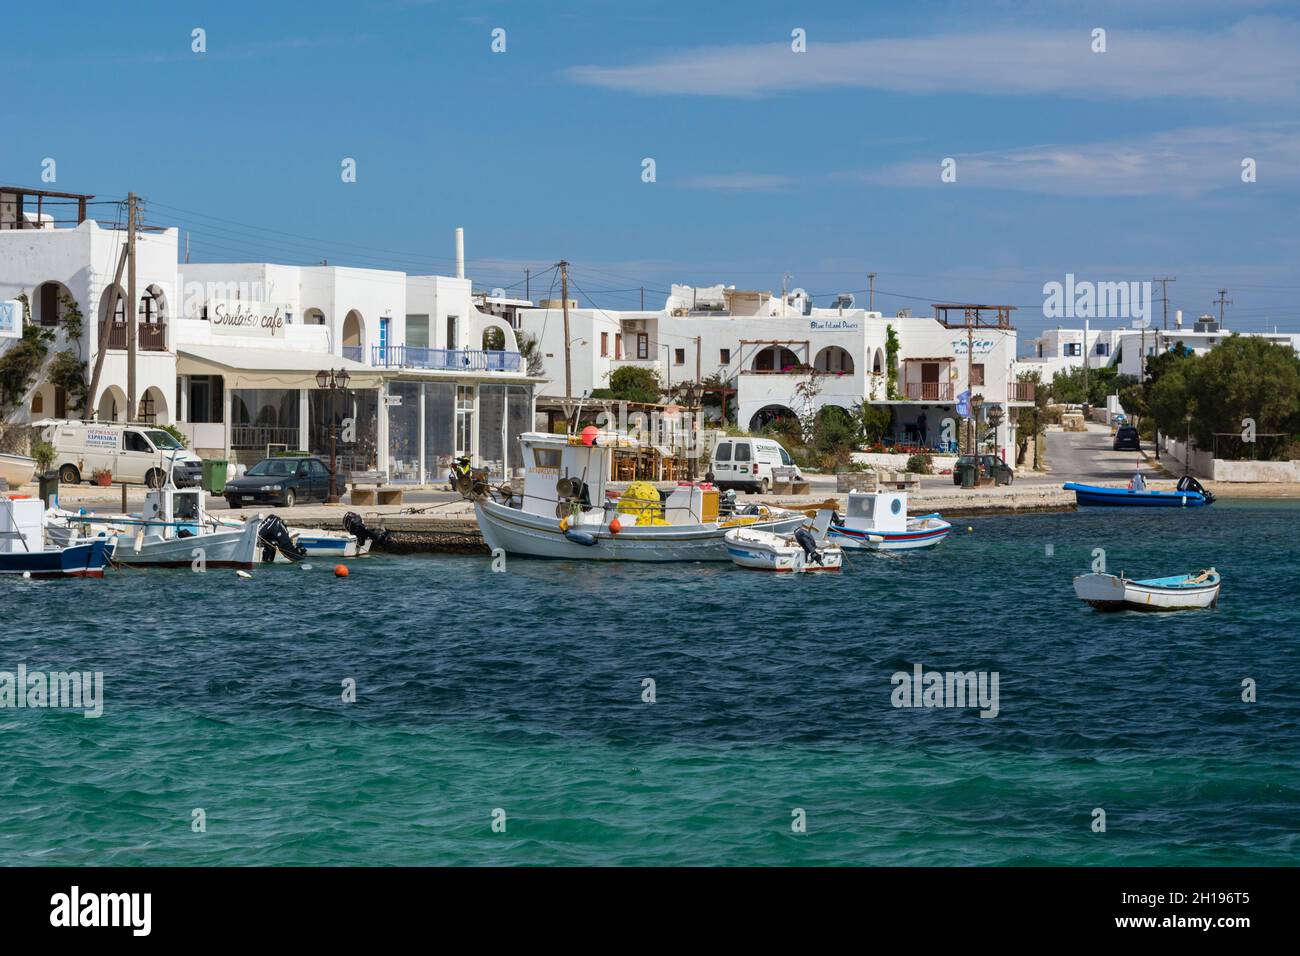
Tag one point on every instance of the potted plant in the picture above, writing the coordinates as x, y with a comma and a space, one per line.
102, 477
43, 452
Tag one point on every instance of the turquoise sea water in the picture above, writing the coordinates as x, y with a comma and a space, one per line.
523, 691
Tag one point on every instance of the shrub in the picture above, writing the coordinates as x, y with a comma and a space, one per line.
922, 464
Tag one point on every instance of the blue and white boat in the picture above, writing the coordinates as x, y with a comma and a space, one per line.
1188, 494
878, 521
1179, 592
23, 551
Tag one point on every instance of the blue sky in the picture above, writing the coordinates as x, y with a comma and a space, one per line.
1113, 166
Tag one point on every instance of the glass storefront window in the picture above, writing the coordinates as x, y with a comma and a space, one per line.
439, 429
356, 413
260, 417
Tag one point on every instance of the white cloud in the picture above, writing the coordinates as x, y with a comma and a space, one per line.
1254, 59
1181, 162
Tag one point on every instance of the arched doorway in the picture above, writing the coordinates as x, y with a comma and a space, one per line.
774, 358
878, 363
153, 407
51, 302
833, 359
354, 336
313, 317
112, 405
152, 319
772, 415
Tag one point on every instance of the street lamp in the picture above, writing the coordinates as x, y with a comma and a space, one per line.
335, 381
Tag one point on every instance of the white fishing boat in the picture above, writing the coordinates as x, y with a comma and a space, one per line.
806, 550
172, 531
564, 510
1180, 592
878, 521
283, 544
17, 470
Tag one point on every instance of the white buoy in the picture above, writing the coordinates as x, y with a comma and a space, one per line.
242, 574
306, 567
27, 575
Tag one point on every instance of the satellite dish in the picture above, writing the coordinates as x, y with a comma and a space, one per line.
565, 488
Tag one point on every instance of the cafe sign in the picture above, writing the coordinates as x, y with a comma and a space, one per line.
260, 319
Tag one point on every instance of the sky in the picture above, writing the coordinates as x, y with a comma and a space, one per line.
822, 164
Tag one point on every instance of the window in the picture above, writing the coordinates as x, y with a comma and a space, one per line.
618, 346
604, 344
785, 458
417, 331
642, 345
318, 468
453, 339
1072, 348
977, 373
679, 356
547, 458
724, 356
742, 451
1103, 348
723, 453
134, 441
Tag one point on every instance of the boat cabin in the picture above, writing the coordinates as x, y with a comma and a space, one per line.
877, 510
176, 509
550, 459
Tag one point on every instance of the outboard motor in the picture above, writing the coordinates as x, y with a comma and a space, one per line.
809, 545
1188, 483
274, 537
353, 525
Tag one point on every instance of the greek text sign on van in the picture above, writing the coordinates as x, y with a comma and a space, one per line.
103, 438
11, 319
247, 318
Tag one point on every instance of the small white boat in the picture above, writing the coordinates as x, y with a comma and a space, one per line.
563, 510
878, 521
1110, 592
173, 531
287, 545
17, 470
771, 551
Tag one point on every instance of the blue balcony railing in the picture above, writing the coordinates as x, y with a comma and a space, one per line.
447, 360
354, 353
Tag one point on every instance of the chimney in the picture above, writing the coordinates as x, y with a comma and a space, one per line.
460, 253
1178, 318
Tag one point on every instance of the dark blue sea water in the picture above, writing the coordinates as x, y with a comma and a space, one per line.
523, 691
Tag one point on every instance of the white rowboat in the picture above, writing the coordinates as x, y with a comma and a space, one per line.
1180, 592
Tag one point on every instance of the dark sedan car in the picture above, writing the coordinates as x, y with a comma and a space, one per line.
1126, 439
281, 481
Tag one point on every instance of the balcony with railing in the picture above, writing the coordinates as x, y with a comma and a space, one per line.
150, 336
354, 353
1021, 391
444, 360
928, 391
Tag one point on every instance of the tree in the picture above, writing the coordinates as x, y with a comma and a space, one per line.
891, 362
633, 383
1031, 422
834, 428
1243, 379
532, 355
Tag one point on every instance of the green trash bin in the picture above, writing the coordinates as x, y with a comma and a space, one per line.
214, 475
968, 475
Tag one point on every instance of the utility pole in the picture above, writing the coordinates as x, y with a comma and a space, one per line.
1164, 298
643, 298
132, 223
871, 293
528, 275
697, 358
1086, 360
970, 380
1222, 301
564, 303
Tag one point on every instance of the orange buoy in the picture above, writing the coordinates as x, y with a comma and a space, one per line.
590, 434
615, 526
340, 570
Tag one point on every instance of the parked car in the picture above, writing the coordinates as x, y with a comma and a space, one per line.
747, 463
1127, 439
989, 466
133, 454
281, 481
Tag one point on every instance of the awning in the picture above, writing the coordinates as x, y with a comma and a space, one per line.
269, 368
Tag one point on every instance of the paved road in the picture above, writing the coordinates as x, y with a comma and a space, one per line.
1087, 457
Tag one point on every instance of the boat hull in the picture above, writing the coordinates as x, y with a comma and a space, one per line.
1095, 496
521, 533
78, 561
17, 470
1109, 592
236, 548
764, 551
910, 540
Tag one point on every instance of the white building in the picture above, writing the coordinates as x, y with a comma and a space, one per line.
229, 352
788, 358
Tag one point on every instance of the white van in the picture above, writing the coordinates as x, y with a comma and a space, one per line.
747, 463
135, 454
